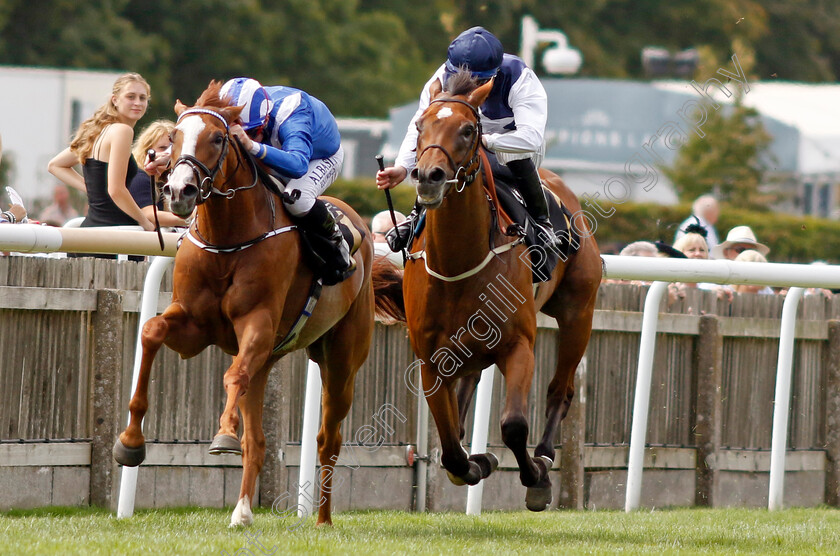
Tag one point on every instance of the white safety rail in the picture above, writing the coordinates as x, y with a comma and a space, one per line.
661, 271
31, 238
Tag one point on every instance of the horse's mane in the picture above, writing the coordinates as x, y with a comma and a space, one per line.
210, 97
461, 83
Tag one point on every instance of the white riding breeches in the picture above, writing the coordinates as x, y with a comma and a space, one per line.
320, 175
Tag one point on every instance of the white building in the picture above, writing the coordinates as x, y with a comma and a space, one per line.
40, 109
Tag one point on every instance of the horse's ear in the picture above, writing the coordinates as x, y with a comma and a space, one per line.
478, 96
231, 113
179, 107
435, 89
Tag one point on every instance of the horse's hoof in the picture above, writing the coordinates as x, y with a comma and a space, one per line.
225, 444
457, 481
129, 457
487, 462
538, 498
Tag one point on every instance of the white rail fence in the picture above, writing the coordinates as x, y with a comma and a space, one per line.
40, 239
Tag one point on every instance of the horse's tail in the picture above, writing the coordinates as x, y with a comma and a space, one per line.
387, 289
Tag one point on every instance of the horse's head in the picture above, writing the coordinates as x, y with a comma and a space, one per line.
200, 143
449, 138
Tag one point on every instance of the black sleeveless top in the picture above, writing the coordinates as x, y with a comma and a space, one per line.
102, 211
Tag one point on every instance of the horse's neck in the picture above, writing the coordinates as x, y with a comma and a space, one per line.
241, 218
457, 233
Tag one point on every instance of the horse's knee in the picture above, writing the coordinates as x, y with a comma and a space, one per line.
239, 380
154, 332
514, 430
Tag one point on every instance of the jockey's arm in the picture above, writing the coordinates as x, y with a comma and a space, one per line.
296, 137
407, 157
529, 103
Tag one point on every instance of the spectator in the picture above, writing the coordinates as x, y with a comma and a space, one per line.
640, 249
102, 145
752, 256
154, 137
60, 211
379, 225
705, 212
738, 240
693, 245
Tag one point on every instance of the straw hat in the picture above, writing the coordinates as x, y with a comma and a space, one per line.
739, 235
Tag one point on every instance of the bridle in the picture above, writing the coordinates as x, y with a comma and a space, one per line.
463, 174
203, 175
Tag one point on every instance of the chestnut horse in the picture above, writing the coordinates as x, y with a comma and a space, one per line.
240, 283
470, 302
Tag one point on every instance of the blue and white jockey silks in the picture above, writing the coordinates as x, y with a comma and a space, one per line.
513, 117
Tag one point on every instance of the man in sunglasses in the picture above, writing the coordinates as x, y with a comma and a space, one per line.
513, 119
738, 240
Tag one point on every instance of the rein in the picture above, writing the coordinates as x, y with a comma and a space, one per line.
198, 167
466, 179
206, 187
468, 176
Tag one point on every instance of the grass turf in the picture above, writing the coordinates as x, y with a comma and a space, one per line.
203, 531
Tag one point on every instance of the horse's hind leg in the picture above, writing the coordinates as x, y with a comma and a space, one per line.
518, 370
253, 446
339, 354
573, 309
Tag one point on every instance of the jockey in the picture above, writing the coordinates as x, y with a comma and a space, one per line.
296, 138
513, 117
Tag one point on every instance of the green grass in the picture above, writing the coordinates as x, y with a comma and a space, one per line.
203, 531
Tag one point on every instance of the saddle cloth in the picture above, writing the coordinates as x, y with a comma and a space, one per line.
543, 257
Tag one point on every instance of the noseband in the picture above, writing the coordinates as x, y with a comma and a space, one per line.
199, 169
462, 173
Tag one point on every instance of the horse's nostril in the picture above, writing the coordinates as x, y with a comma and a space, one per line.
167, 190
415, 174
437, 175
190, 191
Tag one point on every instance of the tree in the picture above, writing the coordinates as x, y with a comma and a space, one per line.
731, 160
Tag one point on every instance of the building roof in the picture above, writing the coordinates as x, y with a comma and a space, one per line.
813, 109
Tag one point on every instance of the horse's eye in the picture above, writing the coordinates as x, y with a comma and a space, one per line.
468, 131
217, 140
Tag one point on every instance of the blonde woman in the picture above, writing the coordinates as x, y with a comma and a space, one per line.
102, 145
154, 137
752, 256
694, 246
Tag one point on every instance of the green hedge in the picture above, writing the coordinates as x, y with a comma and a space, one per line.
800, 239
790, 238
367, 200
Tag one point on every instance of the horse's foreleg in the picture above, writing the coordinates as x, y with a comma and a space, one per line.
518, 370
443, 404
253, 447
255, 336
466, 391
130, 448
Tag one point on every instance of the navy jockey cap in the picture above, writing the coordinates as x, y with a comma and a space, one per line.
478, 50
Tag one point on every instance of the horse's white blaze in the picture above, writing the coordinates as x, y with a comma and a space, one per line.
444, 112
242, 515
191, 127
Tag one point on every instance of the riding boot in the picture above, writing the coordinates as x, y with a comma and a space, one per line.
530, 187
399, 236
320, 221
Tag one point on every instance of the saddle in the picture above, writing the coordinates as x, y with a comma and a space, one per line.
317, 248
544, 257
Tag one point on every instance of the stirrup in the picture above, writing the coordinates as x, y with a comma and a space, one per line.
545, 231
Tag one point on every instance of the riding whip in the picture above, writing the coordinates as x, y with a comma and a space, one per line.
152, 154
